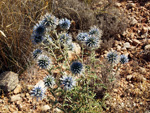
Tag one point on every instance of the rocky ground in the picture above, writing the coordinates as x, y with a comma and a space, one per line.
130, 94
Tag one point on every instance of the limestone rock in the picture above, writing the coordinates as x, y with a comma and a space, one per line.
45, 108
127, 45
147, 47
18, 89
8, 81
15, 98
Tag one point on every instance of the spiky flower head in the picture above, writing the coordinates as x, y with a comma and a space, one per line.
68, 82
113, 57
39, 29
123, 59
65, 38
49, 81
43, 61
36, 39
49, 21
76, 67
71, 46
95, 31
64, 23
92, 42
36, 53
38, 92
81, 37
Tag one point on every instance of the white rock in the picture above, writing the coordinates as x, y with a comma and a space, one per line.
117, 4
147, 47
129, 77
18, 89
127, 45
15, 98
45, 108
8, 81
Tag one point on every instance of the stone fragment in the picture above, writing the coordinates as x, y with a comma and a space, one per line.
117, 4
130, 5
18, 89
136, 42
127, 45
15, 98
147, 47
142, 70
45, 108
8, 81
133, 21
129, 77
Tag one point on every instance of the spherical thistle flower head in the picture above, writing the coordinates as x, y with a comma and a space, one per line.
50, 21
92, 42
76, 67
123, 59
95, 31
68, 82
81, 37
36, 53
64, 23
49, 81
65, 38
36, 39
112, 57
39, 29
43, 61
38, 92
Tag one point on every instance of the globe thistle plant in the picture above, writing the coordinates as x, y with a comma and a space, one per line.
43, 61
36, 39
39, 29
64, 24
68, 82
71, 46
38, 92
49, 81
123, 59
81, 37
65, 38
36, 53
113, 57
47, 39
95, 31
92, 42
76, 67
50, 21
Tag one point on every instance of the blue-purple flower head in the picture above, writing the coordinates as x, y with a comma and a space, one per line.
81, 37
38, 92
113, 57
39, 29
68, 82
64, 24
92, 42
123, 59
95, 31
49, 81
36, 53
43, 61
76, 67
49, 21
36, 39
65, 38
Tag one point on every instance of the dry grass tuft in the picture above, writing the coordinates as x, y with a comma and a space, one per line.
17, 18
